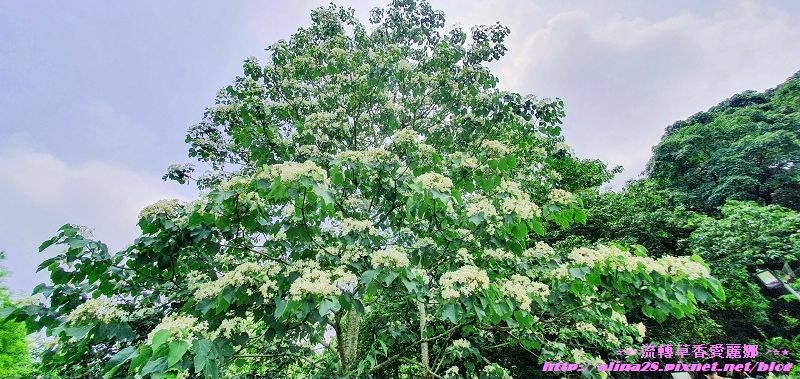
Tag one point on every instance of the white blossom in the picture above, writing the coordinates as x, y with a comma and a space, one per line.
434, 181
391, 256
162, 207
293, 171
464, 281
461, 344
559, 196
93, 310
495, 148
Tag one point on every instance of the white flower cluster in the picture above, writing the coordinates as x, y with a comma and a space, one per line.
495, 371
405, 136
434, 181
580, 356
180, 328
561, 272
684, 266
391, 256
464, 281
619, 260
248, 274
480, 205
461, 344
351, 253
616, 258
562, 146
234, 182
423, 242
640, 328
499, 254
464, 256
162, 207
451, 372
519, 289
317, 282
518, 202
465, 234
313, 282
230, 327
495, 148
319, 120
345, 281
93, 310
619, 317
611, 338
539, 251
425, 150
559, 196
293, 171
195, 279
350, 225
421, 273
585, 327
461, 160
308, 150
404, 65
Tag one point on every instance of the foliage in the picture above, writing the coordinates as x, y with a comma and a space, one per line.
362, 171
746, 148
747, 238
642, 214
15, 359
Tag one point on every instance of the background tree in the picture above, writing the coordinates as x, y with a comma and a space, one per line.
748, 238
362, 169
745, 148
15, 360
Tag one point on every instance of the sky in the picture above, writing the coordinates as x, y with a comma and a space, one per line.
96, 96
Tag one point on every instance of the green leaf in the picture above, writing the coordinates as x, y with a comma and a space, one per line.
176, 351
449, 312
280, 307
323, 193
160, 338
325, 307
48, 243
118, 360
155, 366
390, 277
202, 354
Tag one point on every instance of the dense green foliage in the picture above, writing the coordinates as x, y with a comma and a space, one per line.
747, 238
14, 354
746, 148
643, 214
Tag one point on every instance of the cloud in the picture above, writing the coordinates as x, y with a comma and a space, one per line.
41, 192
625, 76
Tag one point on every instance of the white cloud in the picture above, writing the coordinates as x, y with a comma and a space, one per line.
40, 193
625, 77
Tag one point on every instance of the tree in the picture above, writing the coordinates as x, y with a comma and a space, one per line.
641, 214
746, 148
747, 238
15, 359
359, 172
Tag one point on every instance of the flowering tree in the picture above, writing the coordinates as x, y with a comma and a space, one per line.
362, 175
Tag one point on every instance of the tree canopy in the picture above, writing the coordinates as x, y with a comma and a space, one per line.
363, 173
15, 359
745, 148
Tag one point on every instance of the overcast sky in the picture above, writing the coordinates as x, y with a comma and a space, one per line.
95, 96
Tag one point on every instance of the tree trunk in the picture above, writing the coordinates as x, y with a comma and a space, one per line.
351, 339
424, 356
